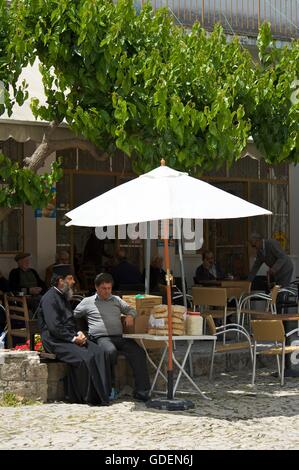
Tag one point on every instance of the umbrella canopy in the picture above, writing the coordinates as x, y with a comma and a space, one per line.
161, 194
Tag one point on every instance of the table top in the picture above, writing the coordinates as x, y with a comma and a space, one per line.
271, 316
165, 338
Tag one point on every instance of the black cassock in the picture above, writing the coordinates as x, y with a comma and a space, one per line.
86, 380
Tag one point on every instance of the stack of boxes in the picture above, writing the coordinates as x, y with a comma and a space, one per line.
143, 306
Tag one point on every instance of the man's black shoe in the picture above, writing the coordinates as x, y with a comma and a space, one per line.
142, 396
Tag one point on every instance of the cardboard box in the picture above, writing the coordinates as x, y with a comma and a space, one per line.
143, 307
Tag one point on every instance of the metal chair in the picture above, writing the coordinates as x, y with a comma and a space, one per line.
212, 297
228, 347
267, 334
270, 299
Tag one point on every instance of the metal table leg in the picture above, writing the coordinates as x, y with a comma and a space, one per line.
182, 371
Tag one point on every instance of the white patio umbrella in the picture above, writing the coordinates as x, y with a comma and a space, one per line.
162, 194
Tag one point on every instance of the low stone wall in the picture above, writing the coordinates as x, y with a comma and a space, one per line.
22, 373
56, 373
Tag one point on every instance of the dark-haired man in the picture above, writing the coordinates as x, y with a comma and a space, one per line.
86, 380
208, 270
103, 314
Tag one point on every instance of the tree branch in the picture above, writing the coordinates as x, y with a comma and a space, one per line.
47, 147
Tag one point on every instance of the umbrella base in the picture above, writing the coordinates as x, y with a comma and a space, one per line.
170, 404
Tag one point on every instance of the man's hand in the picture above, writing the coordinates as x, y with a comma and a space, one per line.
80, 339
129, 320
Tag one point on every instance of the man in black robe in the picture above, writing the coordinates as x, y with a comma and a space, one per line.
86, 380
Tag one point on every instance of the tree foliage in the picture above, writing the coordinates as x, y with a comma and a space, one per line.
275, 116
10, 64
18, 185
134, 80
23, 186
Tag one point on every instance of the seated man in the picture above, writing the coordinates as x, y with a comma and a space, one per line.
208, 270
125, 272
23, 278
103, 314
86, 381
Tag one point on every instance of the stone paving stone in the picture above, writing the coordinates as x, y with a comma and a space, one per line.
238, 417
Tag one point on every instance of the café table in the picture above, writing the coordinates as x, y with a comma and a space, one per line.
189, 342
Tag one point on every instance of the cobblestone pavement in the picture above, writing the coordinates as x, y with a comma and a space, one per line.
237, 417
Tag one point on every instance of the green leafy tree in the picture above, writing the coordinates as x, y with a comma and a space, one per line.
275, 116
17, 184
10, 65
22, 185
133, 80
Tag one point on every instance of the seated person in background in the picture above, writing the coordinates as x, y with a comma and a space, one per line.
86, 381
62, 257
94, 251
25, 279
4, 284
157, 274
208, 270
103, 314
125, 272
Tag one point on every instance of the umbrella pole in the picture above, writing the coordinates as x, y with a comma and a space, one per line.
147, 258
170, 403
180, 245
168, 292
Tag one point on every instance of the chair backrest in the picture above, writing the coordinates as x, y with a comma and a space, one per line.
210, 296
274, 293
211, 324
268, 330
17, 317
16, 308
244, 285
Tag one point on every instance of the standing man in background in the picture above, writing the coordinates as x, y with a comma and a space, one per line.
270, 252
